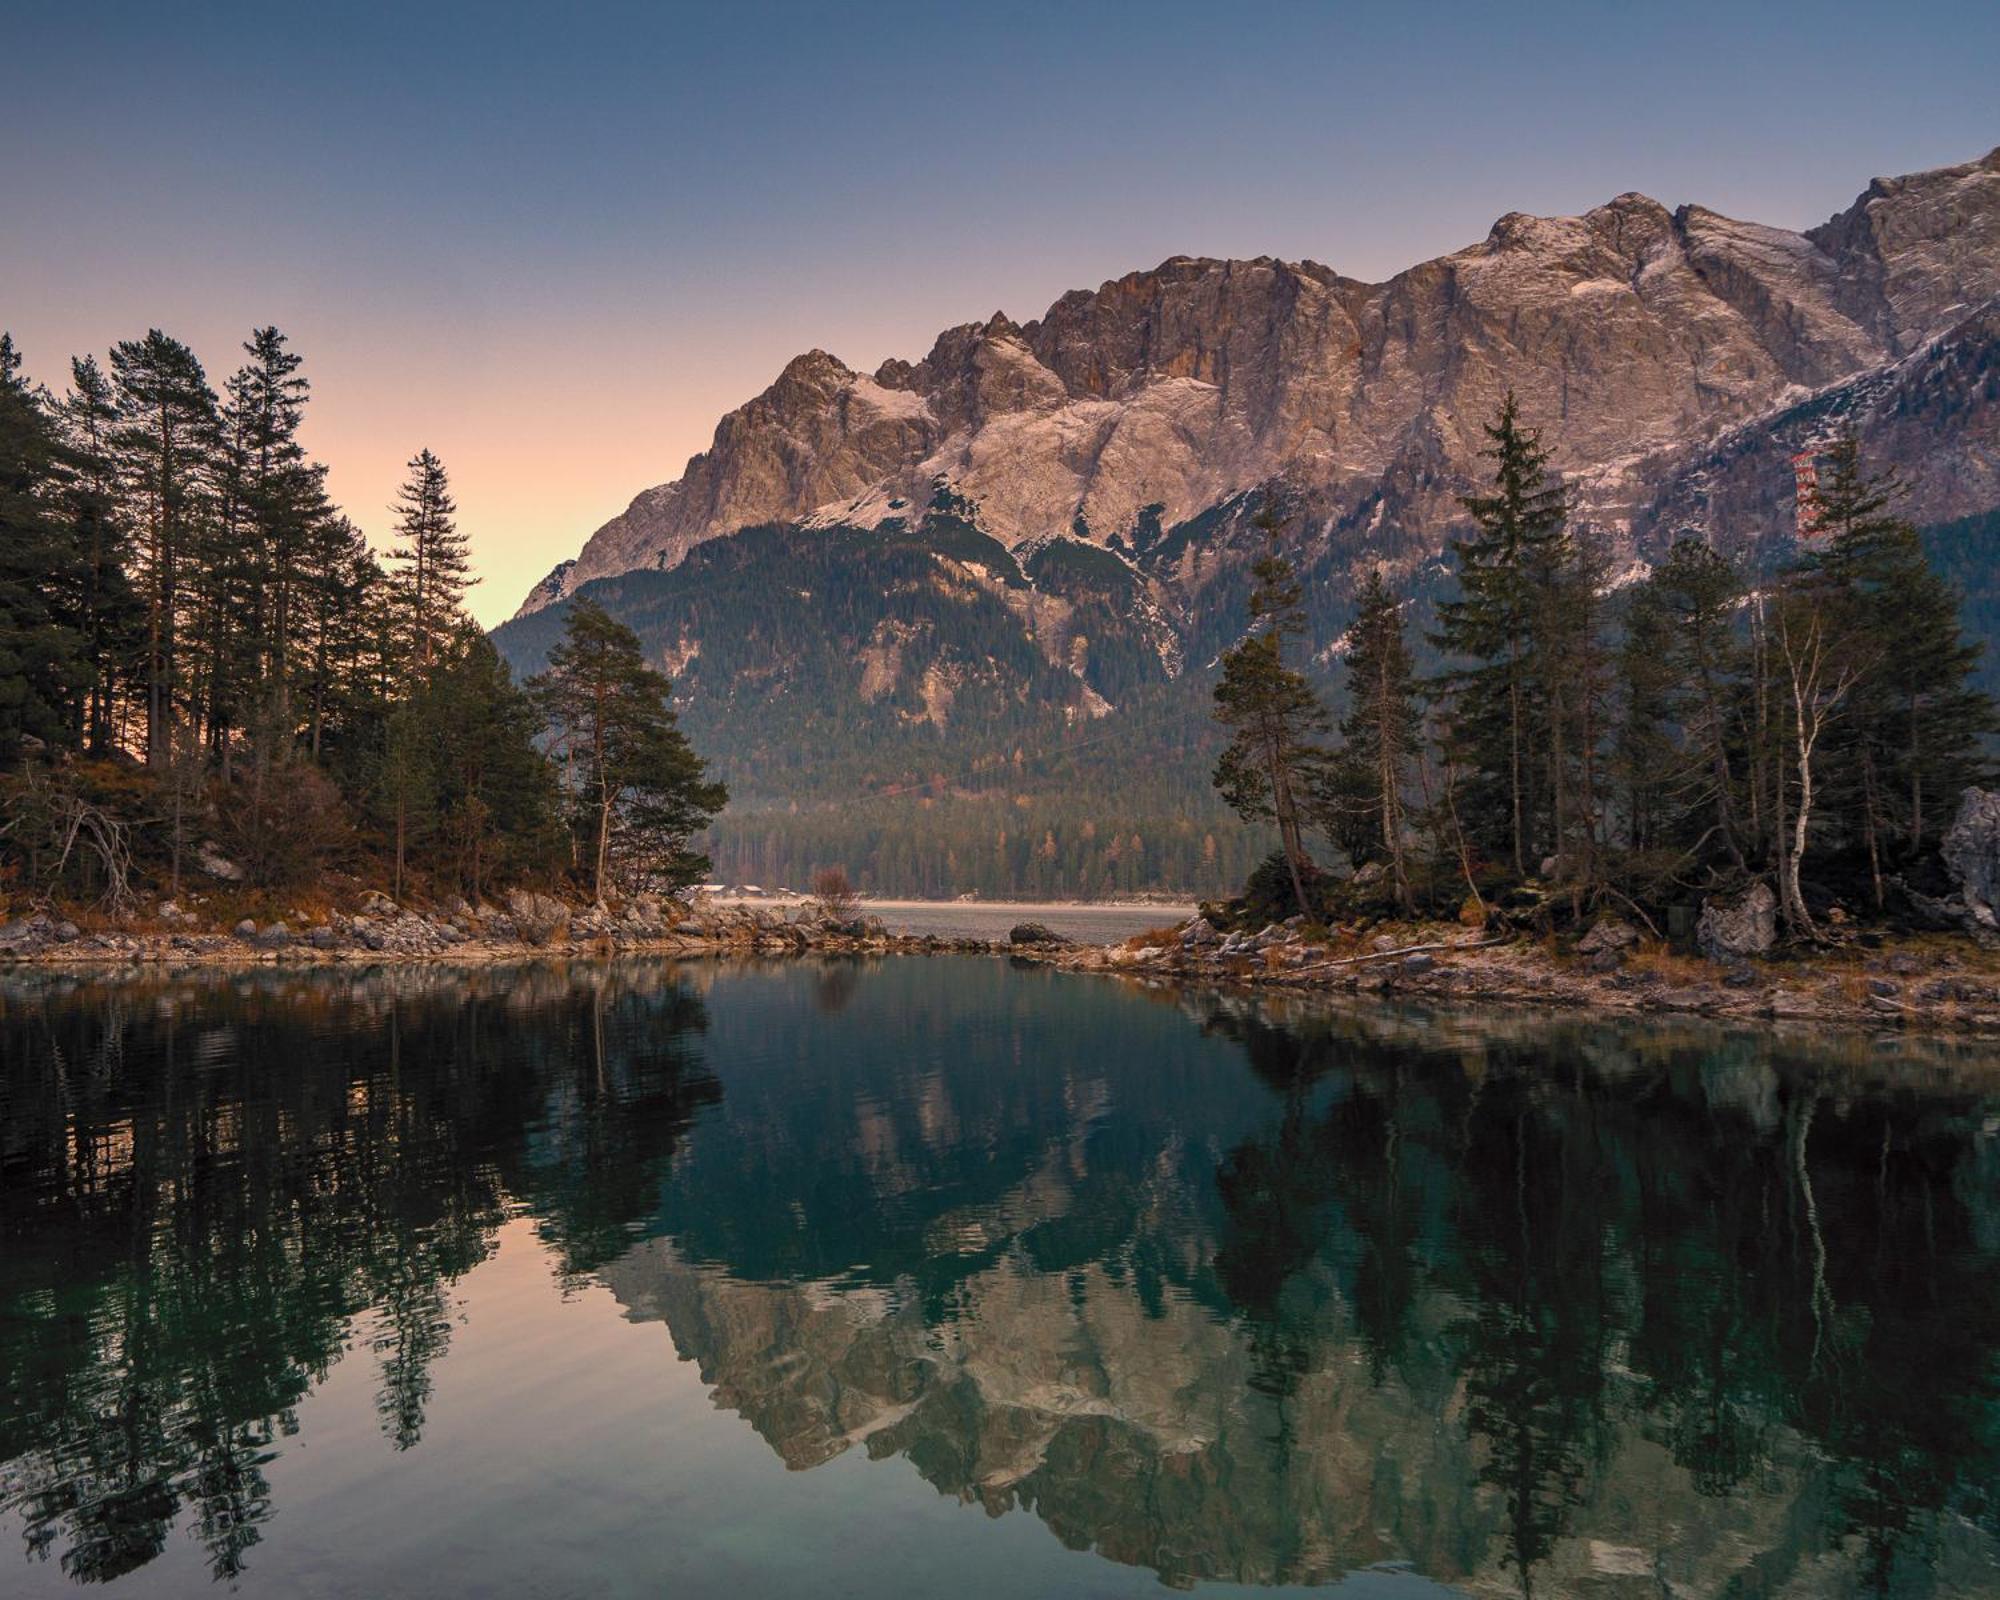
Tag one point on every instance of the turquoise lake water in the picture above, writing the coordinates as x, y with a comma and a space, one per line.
942, 1276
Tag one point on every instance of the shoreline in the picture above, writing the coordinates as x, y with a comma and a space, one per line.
1924, 984
1932, 984
530, 927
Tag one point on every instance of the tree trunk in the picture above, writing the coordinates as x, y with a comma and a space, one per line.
1868, 827
1514, 757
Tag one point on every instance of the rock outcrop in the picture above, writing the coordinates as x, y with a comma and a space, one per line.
1642, 340
1729, 930
1972, 852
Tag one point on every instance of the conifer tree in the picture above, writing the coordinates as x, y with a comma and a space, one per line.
281, 498
1697, 592
164, 446
111, 614
495, 791
43, 665
1275, 719
1380, 731
638, 792
431, 556
1645, 758
1495, 690
1912, 736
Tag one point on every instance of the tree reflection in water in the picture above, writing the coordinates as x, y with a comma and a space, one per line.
203, 1184
1228, 1293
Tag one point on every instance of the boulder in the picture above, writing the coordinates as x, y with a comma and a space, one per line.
25, 932
1972, 852
378, 904
325, 939
275, 937
1034, 933
537, 918
246, 929
1418, 964
1608, 934
216, 864
1200, 932
1746, 926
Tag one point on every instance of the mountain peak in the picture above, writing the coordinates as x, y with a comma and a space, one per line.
815, 369
1629, 333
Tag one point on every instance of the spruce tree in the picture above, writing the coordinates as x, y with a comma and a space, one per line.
1275, 719
431, 555
1698, 592
281, 500
1912, 737
1645, 757
495, 790
1495, 690
637, 791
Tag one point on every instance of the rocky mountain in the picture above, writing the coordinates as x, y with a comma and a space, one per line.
1634, 336
993, 583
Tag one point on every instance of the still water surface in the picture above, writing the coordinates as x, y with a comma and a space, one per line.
940, 1276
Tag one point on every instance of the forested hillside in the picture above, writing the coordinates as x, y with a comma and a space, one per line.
208, 677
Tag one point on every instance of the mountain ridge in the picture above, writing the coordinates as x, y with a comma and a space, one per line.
1633, 333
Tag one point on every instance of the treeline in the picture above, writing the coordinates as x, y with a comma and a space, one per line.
201, 659
1638, 746
1037, 846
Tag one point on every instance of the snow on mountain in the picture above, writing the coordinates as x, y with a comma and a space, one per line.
1637, 339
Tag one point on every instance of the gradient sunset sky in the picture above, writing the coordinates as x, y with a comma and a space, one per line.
555, 243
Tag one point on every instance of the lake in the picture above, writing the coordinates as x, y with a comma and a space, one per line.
927, 1276
1084, 921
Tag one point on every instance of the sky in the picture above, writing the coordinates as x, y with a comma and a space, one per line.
554, 243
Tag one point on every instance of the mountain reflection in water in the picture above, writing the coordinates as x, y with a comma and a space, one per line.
1219, 1291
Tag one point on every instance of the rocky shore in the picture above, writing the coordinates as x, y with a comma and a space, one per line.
1942, 982
1926, 982
523, 923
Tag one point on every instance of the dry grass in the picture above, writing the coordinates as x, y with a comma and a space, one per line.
1669, 966
1850, 983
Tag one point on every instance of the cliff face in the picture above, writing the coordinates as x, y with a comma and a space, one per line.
1637, 338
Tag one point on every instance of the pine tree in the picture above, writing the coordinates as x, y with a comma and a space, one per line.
164, 446
637, 790
112, 616
1495, 691
44, 668
431, 555
1381, 729
1275, 719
